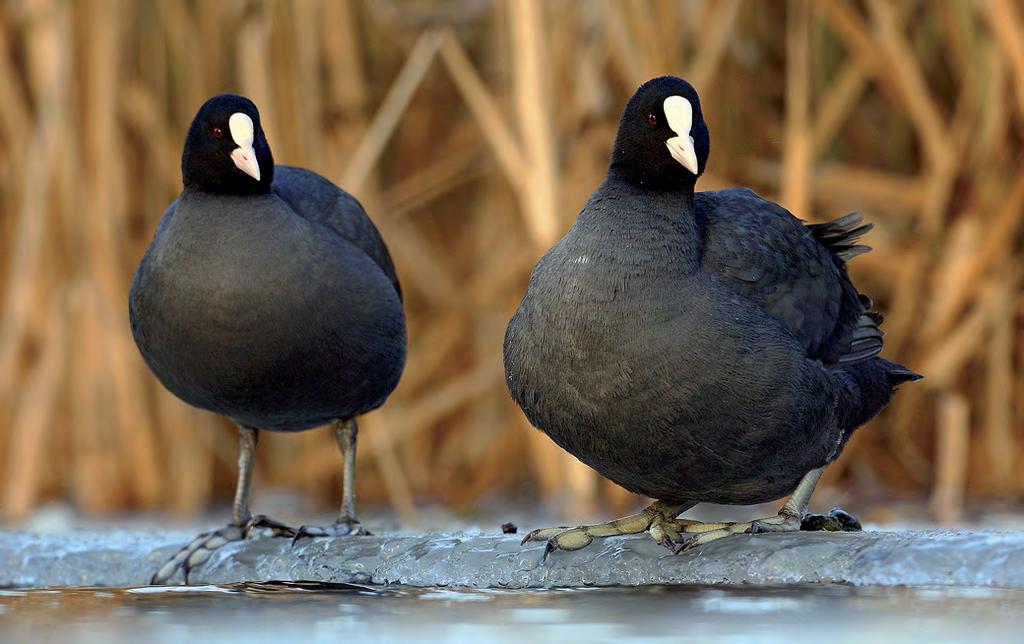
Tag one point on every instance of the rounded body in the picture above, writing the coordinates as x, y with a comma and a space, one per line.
243, 307
672, 385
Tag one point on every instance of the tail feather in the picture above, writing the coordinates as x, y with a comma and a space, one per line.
876, 381
898, 374
840, 236
866, 341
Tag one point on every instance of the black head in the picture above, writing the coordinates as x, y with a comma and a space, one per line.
226, 151
663, 141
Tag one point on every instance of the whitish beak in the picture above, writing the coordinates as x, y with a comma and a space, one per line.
679, 114
245, 160
681, 149
243, 132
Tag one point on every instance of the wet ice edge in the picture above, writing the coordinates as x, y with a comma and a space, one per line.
913, 558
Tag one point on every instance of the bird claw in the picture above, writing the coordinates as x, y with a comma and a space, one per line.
543, 534
549, 547
198, 551
666, 532
277, 528
343, 527
562, 538
569, 539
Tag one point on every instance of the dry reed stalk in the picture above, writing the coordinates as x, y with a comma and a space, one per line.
952, 446
405, 420
399, 493
48, 73
909, 82
837, 101
95, 467
34, 419
999, 443
453, 170
945, 360
632, 67
837, 182
715, 39
951, 278
15, 119
431, 277
999, 232
485, 415
121, 367
182, 44
417, 63
483, 108
1007, 26
797, 152
956, 20
307, 98
187, 456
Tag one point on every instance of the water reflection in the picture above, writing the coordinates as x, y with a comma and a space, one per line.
313, 612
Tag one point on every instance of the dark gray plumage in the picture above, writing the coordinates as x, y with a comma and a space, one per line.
695, 347
267, 295
279, 310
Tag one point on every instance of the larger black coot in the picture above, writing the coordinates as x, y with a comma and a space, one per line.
267, 295
694, 347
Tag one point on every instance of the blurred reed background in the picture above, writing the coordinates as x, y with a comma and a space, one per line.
473, 131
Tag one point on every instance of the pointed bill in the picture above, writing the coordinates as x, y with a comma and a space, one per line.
679, 114
243, 133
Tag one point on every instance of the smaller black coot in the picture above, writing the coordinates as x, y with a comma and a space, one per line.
267, 295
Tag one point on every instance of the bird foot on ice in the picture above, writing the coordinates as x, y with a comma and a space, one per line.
679, 535
343, 527
837, 520
568, 538
198, 551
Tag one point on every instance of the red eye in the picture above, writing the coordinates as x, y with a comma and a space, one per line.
217, 133
652, 119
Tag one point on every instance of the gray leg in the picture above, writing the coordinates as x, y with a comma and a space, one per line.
242, 522
345, 432
787, 520
247, 439
797, 503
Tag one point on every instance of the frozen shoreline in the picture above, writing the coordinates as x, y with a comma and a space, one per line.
884, 558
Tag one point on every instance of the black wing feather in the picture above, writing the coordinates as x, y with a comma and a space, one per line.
795, 272
316, 199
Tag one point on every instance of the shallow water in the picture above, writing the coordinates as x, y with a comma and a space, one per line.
310, 612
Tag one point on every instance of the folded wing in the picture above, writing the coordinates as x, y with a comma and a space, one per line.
316, 199
795, 272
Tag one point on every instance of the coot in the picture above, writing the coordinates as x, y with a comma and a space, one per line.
694, 347
267, 295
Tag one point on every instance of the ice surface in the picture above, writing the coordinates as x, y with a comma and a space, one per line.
915, 558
